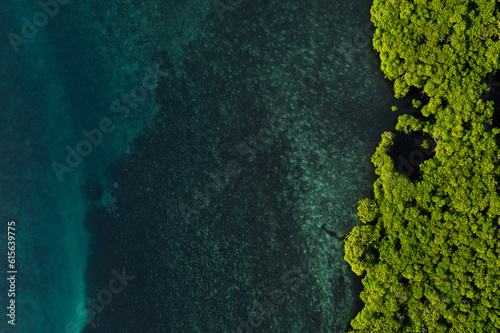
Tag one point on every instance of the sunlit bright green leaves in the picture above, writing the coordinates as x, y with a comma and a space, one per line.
428, 249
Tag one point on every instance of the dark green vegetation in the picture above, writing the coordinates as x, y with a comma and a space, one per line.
428, 248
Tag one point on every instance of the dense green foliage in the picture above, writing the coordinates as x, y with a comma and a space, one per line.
428, 249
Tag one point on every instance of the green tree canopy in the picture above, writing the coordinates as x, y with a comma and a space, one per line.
428, 248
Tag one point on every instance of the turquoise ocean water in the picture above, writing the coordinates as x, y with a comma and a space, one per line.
261, 96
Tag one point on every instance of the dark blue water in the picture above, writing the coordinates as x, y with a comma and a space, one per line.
195, 155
